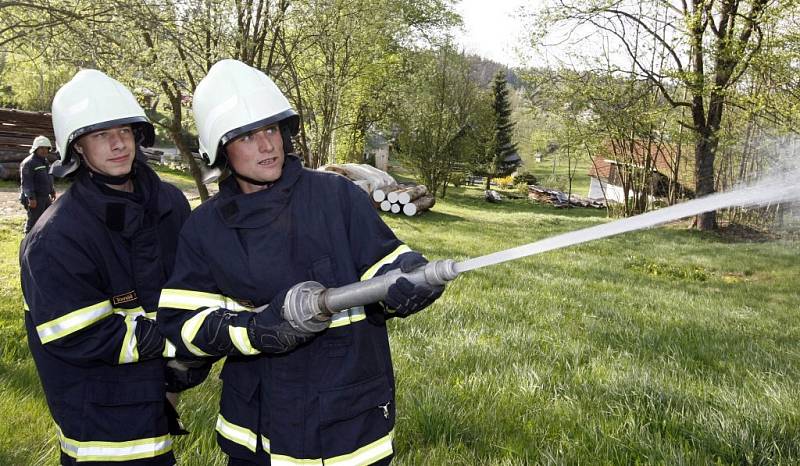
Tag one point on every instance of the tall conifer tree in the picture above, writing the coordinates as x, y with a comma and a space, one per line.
503, 130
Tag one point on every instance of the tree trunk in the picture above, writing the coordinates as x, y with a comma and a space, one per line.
176, 133
187, 157
704, 153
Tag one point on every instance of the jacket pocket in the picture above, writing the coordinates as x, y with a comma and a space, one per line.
124, 410
358, 418
322, 271
239, 404
287, 417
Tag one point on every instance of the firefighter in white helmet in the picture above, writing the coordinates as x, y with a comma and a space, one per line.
37, 192
315, 390
92, 269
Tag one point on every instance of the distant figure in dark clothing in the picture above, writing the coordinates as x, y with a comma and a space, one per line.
37, 191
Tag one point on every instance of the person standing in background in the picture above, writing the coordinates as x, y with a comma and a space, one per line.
37, 192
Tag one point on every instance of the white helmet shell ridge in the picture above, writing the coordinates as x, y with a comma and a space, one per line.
91, 101
40, 141
234, 99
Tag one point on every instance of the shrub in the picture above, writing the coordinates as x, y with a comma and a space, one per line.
526, 178
505, 182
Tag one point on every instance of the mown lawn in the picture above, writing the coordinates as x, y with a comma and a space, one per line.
557, 177
665, 346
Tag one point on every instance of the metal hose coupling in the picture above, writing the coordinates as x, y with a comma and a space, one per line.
301, 308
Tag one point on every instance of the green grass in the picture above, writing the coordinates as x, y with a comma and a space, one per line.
664, 346
558, 178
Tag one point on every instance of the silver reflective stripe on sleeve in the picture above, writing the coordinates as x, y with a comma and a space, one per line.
388, 259
129, 353
347, 317
169, 349
241, 341
190, 329
365, 455
237, 434
104, 451
74, 321
190, 300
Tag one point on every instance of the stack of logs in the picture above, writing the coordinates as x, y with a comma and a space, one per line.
17, 130
411, 200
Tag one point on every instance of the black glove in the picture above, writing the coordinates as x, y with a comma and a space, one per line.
182, 375
406, 298
406, 262
269, 332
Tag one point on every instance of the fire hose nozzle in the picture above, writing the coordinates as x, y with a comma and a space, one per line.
371, 291
308, 306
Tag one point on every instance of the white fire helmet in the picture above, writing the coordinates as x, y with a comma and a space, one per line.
40, 141
91, 101
234, 99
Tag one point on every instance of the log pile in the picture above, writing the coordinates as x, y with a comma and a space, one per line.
409, 199
560, 199
387, 195
18, 128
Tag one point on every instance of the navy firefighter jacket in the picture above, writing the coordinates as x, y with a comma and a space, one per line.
92, 271
329, 400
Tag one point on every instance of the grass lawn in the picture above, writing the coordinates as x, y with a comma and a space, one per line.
664, 346
558, 177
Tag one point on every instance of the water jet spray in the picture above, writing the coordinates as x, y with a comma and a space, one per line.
328, 301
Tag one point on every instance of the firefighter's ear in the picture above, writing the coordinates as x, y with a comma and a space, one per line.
78, 148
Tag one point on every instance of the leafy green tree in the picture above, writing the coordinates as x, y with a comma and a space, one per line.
435, 116
702, 50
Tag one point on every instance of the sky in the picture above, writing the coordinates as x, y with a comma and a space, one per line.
493, 29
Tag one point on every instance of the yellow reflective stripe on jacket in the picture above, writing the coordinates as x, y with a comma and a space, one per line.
283, 460
129, 353
74, 321
388, 259
191, 300
265, 444
367, 454
237, 434
347, 317
241, 341
115, 451
169, 349
190, 329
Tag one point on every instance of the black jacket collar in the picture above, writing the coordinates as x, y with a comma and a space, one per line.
254, 210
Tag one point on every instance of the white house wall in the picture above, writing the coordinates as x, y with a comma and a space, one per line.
613, 192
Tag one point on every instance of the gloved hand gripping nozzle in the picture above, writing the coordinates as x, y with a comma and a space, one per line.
309, 306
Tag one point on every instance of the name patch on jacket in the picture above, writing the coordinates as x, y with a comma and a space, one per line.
124, 298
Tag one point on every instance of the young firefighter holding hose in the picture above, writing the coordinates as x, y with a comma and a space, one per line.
299, 387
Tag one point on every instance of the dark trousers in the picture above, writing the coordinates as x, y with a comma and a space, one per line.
34, 214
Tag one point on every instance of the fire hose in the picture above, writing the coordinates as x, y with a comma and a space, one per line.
324, 302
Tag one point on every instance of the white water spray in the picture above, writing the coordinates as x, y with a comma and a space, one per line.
781, 188
328, 301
